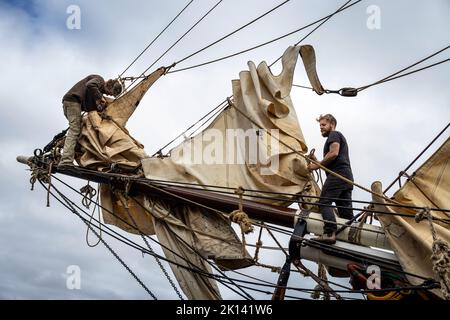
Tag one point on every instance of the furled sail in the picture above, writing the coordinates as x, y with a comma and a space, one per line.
105, 140
413, 241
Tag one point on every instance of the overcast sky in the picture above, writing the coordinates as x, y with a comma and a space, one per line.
386, 126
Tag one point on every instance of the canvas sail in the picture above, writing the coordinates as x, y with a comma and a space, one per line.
412, 242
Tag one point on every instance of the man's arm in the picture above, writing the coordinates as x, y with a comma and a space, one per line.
330, 156
93, 87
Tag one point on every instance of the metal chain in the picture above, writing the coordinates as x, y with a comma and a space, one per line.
150, 248
106, 244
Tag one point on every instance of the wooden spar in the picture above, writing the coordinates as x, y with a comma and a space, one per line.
278, 215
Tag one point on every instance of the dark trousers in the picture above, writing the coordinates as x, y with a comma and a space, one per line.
338, 189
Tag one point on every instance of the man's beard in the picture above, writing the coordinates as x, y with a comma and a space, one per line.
325, 134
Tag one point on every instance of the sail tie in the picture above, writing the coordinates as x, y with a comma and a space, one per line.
440, 256
42, 175
240, 217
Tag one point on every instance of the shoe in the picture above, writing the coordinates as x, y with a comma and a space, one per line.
328, 238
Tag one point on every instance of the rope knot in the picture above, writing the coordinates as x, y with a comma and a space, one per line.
316, 293
88, 194
239, 191
440, 256
43, 175
240, 217
422, 214
441, 265
275, 269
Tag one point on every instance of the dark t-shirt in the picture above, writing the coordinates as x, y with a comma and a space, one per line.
86, 92
341, 164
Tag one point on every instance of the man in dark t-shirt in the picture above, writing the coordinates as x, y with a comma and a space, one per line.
85, 95
335, 158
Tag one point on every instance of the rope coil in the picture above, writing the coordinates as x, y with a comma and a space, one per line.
42, 175
88, 194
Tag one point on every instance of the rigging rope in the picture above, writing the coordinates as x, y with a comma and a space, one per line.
160, 244
88, 193
406, 74
92, 215
417, 158
428, 286
176, 42
344, 7
229, 215
197, 186
390, 77
262, 225
172, 284
215, 114
233, 32
305, 271
440, 255
263, 44
130, 243
72, 188
218, 107
325, 205
156, 38
146, 182
312, 160
191, 247
322, 273
255, 223
352, 92
312, 31
72, 209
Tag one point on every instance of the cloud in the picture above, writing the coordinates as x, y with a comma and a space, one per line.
386, 126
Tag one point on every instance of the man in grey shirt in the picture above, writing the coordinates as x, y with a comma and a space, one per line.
85, 95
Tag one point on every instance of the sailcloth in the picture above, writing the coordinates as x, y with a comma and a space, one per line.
111, 143
233, 151
412, 241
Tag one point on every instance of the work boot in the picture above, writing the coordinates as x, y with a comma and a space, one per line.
328, 238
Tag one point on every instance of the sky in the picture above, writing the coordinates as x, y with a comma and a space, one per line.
386, 126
